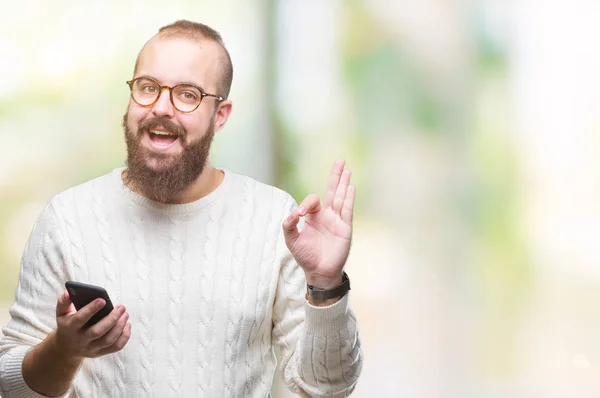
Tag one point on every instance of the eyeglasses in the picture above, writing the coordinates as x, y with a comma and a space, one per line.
185, 98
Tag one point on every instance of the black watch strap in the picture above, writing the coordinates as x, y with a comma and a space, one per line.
321, 294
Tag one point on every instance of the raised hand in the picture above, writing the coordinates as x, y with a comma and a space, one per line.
323, 245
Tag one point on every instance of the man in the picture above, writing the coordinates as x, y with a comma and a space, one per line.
209, 266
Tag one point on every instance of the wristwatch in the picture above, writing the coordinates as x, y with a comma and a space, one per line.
318, 294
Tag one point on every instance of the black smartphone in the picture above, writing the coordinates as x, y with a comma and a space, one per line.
82, 294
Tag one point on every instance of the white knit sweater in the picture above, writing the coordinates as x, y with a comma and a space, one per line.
210, 286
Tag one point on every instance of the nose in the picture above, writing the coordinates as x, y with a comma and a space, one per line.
163, 106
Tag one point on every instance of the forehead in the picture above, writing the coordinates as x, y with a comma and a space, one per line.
175, 60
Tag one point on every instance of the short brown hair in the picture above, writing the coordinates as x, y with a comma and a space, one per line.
196, 31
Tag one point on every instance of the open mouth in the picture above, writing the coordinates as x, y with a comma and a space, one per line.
162, 139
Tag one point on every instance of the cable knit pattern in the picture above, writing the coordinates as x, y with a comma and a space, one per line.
206, 308
176, 251
210, 287
73, 233
268, 256
106, 236
237, 288
144, 291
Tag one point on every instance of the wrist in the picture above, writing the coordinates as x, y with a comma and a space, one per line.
324, 282
61, 350
326, 296
47, 369
322, 303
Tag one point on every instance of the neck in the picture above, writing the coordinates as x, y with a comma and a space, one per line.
205, 183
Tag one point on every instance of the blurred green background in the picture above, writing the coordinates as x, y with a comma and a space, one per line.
470, 127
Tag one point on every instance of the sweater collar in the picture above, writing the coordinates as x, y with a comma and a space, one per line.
219, 193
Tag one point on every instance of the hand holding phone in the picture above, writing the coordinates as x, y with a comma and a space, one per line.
95, 329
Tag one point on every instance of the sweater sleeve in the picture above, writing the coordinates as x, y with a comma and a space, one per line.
320, 348
33, 314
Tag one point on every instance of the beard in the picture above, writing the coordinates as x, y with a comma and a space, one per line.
172, 174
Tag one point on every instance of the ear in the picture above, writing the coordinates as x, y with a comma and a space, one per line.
222, 114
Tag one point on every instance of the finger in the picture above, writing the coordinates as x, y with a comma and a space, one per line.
119, 344
334, 179
64, 304
340, 194
311, 204
105, 324
348, 207
290, 228
112, 335
85, 313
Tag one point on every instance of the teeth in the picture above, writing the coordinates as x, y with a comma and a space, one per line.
160, 132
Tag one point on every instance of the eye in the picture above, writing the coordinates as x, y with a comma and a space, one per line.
149, 88
188, 96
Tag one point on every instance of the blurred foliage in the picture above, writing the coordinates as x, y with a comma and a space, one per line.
501, 273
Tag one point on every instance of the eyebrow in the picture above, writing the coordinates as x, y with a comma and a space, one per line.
176, 83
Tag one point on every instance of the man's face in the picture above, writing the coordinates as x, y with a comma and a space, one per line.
167, 149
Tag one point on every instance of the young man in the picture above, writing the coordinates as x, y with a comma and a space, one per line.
209, 267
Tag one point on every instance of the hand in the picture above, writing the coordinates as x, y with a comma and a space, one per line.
323, 245
76, 340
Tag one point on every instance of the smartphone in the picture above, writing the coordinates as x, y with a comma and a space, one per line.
82, 294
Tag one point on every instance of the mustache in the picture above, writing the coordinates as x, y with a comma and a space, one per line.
163, 123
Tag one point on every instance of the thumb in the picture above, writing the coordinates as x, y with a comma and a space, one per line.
290, 228
63, 304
